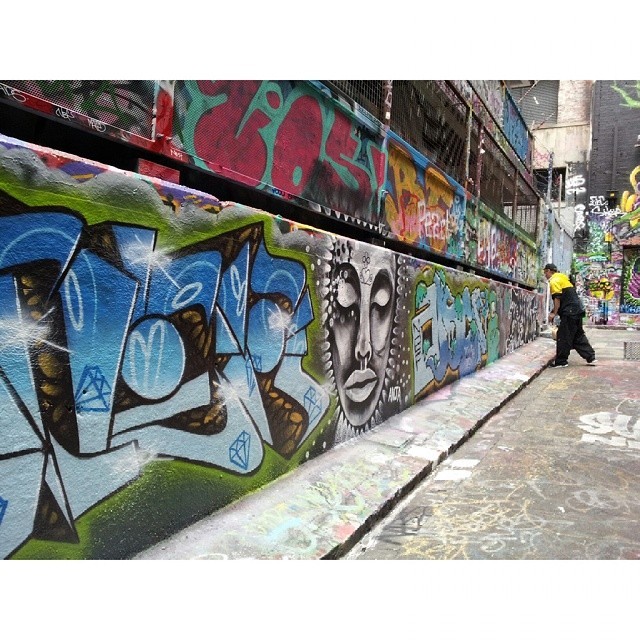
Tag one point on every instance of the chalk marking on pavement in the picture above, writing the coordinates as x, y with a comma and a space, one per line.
423, 453
452, 474
597, 425
463, 463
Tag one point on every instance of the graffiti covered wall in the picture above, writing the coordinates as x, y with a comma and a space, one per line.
123, 104
426, 208
606, 256
423, 206
163, 353
283, 135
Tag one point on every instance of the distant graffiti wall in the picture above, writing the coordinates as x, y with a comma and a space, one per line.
284, 136
630, 301
515, 128
423, 206
608, 222
163, 353
576, 194
426, 208
606, 261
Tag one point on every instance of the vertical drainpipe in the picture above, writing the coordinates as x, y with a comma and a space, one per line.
386, 122
467, 160
614, 163
548, 235
515, 196
560, 218
479, 162
388, 95
467, 153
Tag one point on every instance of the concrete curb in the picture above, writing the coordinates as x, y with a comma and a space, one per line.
323, 508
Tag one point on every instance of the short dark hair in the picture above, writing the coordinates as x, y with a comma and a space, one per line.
550, 266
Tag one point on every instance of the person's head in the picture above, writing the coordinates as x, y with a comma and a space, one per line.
364, 294
549, 270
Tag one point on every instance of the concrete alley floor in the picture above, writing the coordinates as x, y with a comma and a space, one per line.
555, 474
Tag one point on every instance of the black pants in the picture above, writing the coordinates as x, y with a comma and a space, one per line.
571, 335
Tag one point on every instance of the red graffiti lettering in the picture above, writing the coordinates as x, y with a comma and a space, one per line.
299, 138
218, 138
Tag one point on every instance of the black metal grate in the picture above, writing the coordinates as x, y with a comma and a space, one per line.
632, 350
527, 207
124, 104
432, 118
497, 181
369, 94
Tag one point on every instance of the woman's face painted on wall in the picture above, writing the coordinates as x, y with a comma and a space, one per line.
363, 309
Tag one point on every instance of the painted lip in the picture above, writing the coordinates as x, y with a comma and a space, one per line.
360, 384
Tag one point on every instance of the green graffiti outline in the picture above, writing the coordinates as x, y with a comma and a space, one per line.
629, 102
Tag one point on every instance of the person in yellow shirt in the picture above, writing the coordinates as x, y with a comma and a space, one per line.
568, 307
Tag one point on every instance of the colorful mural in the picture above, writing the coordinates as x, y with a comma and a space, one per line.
284, 136
606, 262
163, 353
423, 206
630, 302
427, 209
515, 128
137, 111
626, 226
302, 142
608, 229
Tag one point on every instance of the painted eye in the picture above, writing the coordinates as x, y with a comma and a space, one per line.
381, 292
381, 297
347, 294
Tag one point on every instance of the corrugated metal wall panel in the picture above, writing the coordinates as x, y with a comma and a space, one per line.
540, 104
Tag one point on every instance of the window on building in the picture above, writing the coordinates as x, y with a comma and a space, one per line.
558, 182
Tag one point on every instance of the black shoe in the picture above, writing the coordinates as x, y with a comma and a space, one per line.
555, 364
592, 363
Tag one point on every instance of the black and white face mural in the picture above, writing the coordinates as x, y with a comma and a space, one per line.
361, 306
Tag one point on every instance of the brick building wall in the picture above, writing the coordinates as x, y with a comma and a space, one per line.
574, 101
616, 126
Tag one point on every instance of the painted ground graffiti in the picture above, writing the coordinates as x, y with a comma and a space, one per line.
612, 429
162, 353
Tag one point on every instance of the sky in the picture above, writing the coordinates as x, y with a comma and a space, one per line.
283, 40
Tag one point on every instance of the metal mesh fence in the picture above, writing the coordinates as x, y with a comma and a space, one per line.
527, 207
497, 178
125, 104
632, 350
367, 93
429, 115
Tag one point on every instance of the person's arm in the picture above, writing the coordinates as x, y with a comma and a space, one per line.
554, 311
